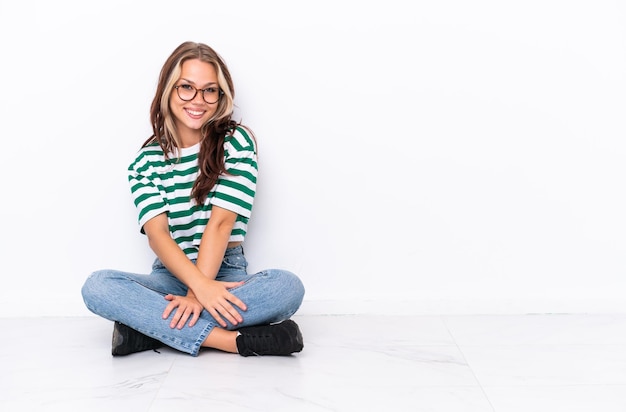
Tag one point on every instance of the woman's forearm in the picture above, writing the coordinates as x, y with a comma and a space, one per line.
170, 254
215, 241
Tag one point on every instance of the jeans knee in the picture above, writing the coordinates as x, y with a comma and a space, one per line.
293, 288
92, 288
298, 290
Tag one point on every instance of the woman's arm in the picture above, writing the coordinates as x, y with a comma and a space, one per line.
213, 247
212, 295
215, 241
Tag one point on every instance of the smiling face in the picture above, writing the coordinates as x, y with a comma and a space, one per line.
189, 116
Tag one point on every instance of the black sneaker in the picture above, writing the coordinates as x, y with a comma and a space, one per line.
278, 339
127, 340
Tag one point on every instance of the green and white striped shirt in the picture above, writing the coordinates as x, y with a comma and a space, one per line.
164, 186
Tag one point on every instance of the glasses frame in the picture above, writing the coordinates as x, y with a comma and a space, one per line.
219, 94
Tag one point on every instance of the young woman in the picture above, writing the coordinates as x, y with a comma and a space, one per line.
193, 182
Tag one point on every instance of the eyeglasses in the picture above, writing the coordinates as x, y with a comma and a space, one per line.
187, 93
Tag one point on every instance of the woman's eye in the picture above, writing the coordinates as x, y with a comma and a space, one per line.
186, 86
210, 90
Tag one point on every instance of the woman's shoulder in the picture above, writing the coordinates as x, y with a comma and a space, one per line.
149, 153
152, 147
150, 150
241, 138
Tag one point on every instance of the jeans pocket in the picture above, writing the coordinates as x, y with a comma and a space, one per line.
238, 262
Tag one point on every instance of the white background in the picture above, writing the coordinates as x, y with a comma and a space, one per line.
415, 157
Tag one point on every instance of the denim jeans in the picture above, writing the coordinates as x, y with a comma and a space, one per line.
137, 300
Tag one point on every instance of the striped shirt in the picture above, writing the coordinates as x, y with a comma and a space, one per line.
164, 186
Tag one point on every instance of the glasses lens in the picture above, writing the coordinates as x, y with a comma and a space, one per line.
186, 92
211, 95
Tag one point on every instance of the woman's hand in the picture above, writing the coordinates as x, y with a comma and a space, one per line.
186, 307
218, 301
214, 297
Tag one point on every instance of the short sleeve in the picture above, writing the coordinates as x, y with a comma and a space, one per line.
235, 190
144, 187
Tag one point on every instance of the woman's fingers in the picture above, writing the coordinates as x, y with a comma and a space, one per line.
234, 300
195, 317
230, 313
217, 317
182, 311
170, 307
225, 308
183, 318
230, 285
176, 318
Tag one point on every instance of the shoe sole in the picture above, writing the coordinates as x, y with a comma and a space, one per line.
118, 339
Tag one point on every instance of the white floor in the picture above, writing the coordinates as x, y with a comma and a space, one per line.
525, 363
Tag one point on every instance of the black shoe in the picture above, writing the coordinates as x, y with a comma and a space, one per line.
279, 339
127, 340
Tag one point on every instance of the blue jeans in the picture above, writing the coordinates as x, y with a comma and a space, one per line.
138, 300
